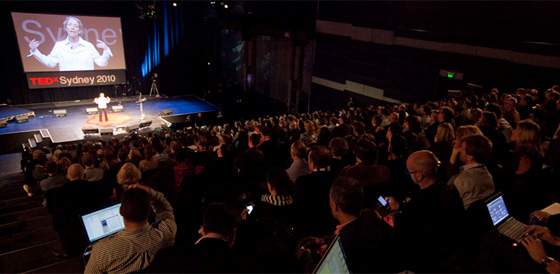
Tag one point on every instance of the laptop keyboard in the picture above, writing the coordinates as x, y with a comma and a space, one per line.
513, 229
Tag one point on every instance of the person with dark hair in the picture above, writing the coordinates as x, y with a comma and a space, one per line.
488, 124
298, 151
92, 171
66, 204
375, 178
446, 115
312, 195
252, 166
503, 125
135, 248
414, 134
341, 156
55, 179
211, 253
474, 182
368, 243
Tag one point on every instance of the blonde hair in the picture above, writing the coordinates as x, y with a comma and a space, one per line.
445, 133
528, 133
468, 130
128, 174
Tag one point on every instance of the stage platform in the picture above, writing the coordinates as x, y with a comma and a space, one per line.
8, 113
69, 128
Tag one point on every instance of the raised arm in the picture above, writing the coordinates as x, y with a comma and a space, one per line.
50, 61
103, 59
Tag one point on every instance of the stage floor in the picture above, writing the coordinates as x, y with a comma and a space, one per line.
70, 127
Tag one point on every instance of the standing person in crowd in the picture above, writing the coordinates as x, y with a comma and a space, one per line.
312, 195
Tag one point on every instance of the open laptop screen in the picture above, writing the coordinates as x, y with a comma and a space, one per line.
497, 209
104, 222
333, 261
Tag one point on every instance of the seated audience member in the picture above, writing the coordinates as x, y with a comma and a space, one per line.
369, 244
134, 248
251, 164
396, 150
503, 125
312, 195
443, 144
212, 253
375, 178
35, 172
474, 182
66, 204
524, 188
414, 134
460, 133
428, 222
128, 174
341, 156
92, 171
55, 178
488, 124
278, 202
533, 242
298, 151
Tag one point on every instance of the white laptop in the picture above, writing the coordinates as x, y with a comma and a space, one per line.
506, 224
334, 260
103, 222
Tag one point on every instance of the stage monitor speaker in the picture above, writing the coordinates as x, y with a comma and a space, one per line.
22, 118
32, 143
91, 110
132, 127
38, 138
105, 131
117, 108
59, 112
90, 131
145, 124
166, 112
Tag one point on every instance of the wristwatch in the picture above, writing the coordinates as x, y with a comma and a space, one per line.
547, 260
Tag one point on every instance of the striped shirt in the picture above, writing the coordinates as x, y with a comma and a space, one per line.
277, 200
132, 251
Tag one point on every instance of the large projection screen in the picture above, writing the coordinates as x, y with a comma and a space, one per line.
70, 50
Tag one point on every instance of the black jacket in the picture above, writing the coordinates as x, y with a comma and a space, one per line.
312, 204
370, 245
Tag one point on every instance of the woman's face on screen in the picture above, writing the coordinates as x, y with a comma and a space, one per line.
73, 28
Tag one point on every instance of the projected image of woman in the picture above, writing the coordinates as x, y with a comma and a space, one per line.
72, 53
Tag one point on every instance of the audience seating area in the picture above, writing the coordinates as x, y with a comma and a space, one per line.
26, 233
289, 183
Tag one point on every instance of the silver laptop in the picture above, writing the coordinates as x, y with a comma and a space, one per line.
103, 223
333, 260
504, 223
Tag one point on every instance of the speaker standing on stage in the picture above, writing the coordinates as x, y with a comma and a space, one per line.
102, 102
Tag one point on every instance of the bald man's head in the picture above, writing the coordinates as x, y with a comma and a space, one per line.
75, 172
422, 164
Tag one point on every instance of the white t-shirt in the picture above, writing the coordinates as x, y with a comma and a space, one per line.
102, 102
81, 57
